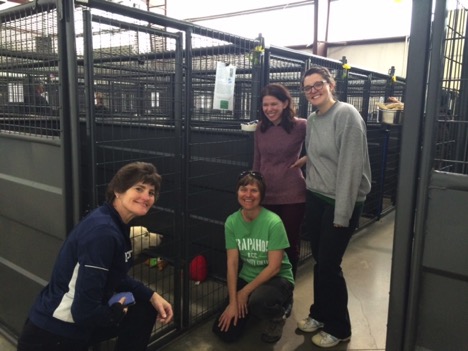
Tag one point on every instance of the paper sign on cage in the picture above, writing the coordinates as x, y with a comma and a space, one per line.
223, 98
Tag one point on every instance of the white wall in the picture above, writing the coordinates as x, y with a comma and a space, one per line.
350, 20
374, 57
287, 25
369, 19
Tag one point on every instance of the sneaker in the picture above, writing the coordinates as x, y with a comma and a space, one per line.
309, 325
273, 330
323, 339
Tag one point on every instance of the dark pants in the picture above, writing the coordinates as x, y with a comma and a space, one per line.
292, 216
328, 245
268, 301
132, 334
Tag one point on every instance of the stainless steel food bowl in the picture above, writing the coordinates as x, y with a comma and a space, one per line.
391, 116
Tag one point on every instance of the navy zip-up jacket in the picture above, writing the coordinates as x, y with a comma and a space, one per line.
91, 266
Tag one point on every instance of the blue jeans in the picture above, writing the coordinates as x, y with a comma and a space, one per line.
268, 301
328, 244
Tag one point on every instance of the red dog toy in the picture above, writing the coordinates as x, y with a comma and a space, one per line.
198, 269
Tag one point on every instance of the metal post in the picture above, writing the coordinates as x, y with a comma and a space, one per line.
425, 169
69, 111
88, 68
408, 173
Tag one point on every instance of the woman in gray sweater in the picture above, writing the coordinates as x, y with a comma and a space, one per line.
338, 178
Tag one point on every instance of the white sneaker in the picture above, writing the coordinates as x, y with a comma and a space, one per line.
323, 339
309, 325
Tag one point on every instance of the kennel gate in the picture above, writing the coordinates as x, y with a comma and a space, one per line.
157, 88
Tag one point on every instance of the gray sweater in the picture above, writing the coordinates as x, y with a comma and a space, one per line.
338, 164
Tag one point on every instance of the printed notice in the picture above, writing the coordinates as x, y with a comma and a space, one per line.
224, 87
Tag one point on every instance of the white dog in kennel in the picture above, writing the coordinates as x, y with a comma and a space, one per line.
142, 239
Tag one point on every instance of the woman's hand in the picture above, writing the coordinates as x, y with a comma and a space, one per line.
300, 162
242, 302
122, 302
163, 307
229, 315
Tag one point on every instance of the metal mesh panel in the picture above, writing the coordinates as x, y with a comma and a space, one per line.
206, 53
392, 165
451, 148
288, 72
217, 152
29, 81
376, 95
355, 92
131, 70
377, 141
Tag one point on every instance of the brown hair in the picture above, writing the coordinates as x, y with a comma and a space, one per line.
249, 178
323, 71
131, 174
287, 118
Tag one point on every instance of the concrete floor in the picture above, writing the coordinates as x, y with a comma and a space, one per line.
366, 267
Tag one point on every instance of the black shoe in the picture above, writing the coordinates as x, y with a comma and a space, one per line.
288, 310
273, 330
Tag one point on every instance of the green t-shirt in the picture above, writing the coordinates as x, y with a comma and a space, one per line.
254, 240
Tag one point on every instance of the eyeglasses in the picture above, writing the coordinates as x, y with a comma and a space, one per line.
317, 86
256, 175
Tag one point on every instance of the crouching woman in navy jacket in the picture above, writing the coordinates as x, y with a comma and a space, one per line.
72, 312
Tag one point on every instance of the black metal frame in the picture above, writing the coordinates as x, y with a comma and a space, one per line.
198, 150
434, 140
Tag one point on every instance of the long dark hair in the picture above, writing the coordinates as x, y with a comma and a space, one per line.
281, 93
131, 174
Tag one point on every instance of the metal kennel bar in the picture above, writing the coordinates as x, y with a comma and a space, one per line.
127, 85
430, 227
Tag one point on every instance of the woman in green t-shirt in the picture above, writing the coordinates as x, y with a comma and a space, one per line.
264, 286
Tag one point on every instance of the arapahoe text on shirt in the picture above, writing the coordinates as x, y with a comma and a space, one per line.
250, 244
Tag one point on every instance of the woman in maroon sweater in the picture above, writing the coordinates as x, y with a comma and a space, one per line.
279, 140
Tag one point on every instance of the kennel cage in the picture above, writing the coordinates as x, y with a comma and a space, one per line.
158, 100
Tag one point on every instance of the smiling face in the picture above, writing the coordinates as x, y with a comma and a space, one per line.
273, 108
249, 196
135, 201
322, 97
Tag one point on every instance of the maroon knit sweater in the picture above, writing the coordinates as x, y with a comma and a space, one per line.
274, 152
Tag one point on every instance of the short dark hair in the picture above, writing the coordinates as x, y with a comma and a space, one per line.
131, 174
251, 177
281, 93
